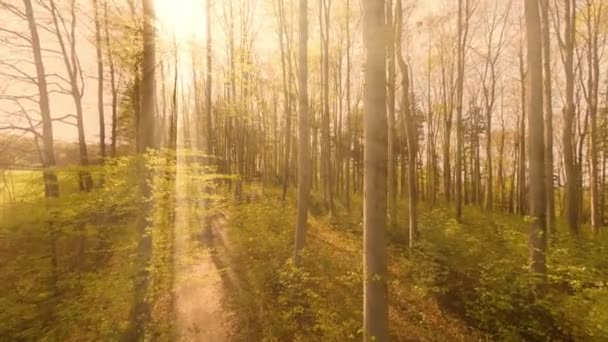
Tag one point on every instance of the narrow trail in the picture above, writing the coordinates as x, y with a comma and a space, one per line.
200, 292
200, 313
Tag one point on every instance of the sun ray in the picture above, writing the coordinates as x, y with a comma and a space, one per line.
183, 20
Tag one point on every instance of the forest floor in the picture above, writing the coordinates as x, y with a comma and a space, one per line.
328, 292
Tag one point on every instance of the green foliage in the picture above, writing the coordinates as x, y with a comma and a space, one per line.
479, 271
68, 264
273, 299
323, 299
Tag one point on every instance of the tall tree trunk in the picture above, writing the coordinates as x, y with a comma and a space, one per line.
447, 124
462, 39
593, 20
113, 86
430, 140
410, 133
349, 127
209, 85
140, 313
390, 51
100, 81
303, 134
501, 151
328, 183
74, 71
571, 204
51, 186
536, 171
548, 107
375, 302
286, 95
521, 178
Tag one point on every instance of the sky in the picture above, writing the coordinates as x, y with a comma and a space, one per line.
184, 17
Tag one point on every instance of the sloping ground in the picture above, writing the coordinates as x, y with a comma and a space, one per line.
411, 312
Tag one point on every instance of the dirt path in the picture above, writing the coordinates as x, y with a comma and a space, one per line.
200, 313
200, 291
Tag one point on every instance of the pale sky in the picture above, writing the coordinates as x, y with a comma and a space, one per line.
185, 16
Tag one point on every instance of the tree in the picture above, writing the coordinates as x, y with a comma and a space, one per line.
324, 12
521, 161
208, 105
285, 56
411, 134
375, 307
76, 81
100, 81
593, 20
390, 51
536, 138
51, 186
548, 107
148, 80
463, 32
113, 85
495, 29
141, 310
567, 44
303, 134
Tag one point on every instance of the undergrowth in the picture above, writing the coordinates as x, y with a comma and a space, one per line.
466, 281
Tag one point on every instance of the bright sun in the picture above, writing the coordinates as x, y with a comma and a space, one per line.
183, 18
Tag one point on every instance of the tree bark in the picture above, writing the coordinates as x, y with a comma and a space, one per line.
536, 137
463, 24
100, 82
375, 302
51, 185
571, 204
410, 129
113, 86
390, 51
303, 135
548, 107
76, 81
209, 87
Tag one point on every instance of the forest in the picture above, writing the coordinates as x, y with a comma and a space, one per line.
303, 170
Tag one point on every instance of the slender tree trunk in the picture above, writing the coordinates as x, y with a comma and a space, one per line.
447, 123
114, 87
548, 107
571, 204
349, 127
410, 133
326, 4
501, 151
390, 51
538, 244
462, 38
51, 185
287, 98
209, 85
430, 145
100, 81
593, 20
521, 179
74, 72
